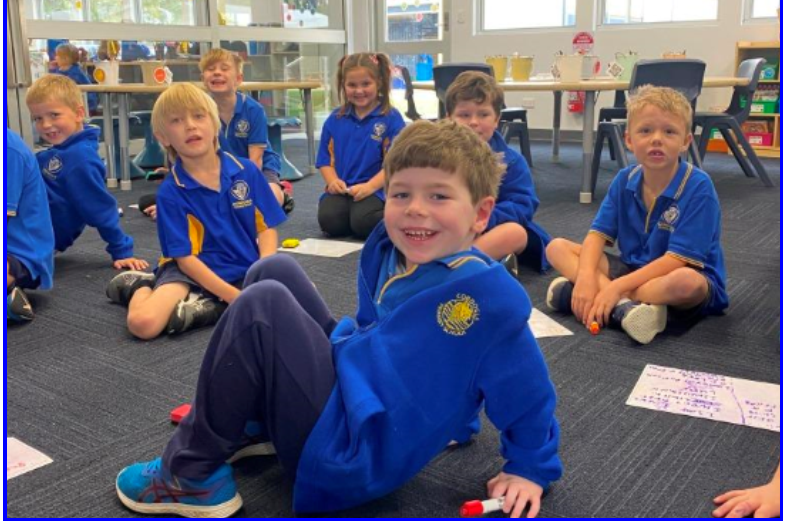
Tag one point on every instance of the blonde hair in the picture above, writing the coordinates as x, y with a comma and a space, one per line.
666, 99
379, 67
57, 88
69, 51
221, 55
475, 86
180, 98
450, 147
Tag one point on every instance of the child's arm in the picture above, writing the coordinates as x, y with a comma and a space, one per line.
608, 297
518, 492
366, 189
333, 184
517, 201
586, 285
88, 197
255, 154
207, 279
763, 502
268, 242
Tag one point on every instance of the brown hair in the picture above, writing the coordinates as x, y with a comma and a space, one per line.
179, 98
69, 51
221, 55
378, 65
474, 86
666, 99
58, 88
450, 147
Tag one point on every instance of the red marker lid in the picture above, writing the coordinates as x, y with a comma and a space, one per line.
473, 508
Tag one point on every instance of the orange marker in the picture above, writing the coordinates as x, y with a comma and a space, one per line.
594, 328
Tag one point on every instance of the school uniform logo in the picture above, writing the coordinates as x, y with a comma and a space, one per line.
669, 218
240, 192
379, 131
53, 168
242, 128
458, 315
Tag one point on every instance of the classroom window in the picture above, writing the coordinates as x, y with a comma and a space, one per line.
297, 14
497, 15
757, 9
158, 12
658, 11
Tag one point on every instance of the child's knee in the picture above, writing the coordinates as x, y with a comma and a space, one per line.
688, 285
270, 268
145, 325
557, 250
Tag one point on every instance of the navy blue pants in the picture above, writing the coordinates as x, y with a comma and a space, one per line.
269, 360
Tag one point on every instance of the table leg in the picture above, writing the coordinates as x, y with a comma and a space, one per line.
125, 157
109, 142
588, 143
557, 124
309, 108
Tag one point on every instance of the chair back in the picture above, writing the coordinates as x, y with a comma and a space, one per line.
683, 75
445, 74
741, 100
409, 94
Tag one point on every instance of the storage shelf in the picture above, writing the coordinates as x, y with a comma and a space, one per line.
771, 51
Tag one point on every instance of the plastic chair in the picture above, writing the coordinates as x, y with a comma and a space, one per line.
729, 122
409, 94
274, 125
152, 155
445, 74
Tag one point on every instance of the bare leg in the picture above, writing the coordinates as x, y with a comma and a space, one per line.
564, 256
503, 240
278, 193
149, 310
683, 288
10, 280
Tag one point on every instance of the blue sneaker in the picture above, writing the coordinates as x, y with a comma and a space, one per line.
150, 489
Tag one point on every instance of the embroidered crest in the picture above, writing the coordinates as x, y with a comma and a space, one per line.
671, 215
458, 315
240, 190
54, 167
241, 128
379, 130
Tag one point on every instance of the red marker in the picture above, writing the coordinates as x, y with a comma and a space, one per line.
476, 508
594, 328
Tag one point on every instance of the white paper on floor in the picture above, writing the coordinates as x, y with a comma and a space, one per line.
21, 458
324, 248
714, 397
543, 326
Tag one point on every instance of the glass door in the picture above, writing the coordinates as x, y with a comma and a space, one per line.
416, 35
18, 72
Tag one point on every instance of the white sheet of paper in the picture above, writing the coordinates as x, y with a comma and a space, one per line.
543, 326
714, 397
324, 248
21, 458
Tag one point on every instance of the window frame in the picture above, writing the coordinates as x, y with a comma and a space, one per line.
601, 22
748, 18
481, 30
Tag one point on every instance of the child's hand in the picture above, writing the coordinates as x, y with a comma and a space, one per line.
604, 304
337, 187
518, 492
152, 212
131, 264
763, 502
584, 293
361, 191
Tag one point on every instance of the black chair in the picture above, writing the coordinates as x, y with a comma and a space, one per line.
409, 94
729, 122
618, 111
683, 75
513, 120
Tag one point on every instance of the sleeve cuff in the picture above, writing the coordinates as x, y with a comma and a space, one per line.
609, 240
688, 260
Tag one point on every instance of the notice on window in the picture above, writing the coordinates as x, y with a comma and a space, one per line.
21, 458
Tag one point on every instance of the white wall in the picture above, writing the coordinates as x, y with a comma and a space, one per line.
712, 42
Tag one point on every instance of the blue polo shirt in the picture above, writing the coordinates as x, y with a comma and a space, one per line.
76, 74
74, 175
218, 227
684, 222
29, 235
356, 148
248, 127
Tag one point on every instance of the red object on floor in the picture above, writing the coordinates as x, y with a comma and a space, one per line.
179, 413
287, 187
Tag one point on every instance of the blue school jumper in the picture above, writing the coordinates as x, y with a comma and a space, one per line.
76, 74
248, 127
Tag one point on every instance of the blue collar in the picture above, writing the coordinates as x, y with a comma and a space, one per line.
89, 133
230, 168
377, 111
675, 188
240, 103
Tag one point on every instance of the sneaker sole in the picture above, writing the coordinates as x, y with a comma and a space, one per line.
557, 282
644, 322
20, 309
221, 511
264, 449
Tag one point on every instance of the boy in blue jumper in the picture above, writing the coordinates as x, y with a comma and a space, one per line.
73, 172
475, 100
665, 217
216, 217
357, 408
67, 60
30, 242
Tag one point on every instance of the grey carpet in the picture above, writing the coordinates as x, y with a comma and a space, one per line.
82, 390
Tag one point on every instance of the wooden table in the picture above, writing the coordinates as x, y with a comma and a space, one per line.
591, 88
121, 91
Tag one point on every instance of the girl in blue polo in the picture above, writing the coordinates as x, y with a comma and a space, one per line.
355, 140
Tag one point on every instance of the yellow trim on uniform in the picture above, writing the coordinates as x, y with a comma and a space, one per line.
177, 180
196, 232
260, 221
230, 155
610, 241
687, 260
463, 260
688, 172
634, 171
649, 215
332, 151
405, 274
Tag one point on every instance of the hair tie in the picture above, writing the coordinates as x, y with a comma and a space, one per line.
374, 59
